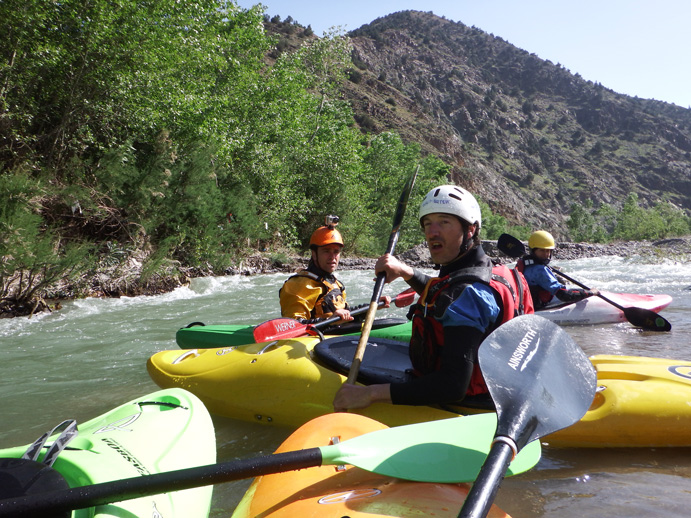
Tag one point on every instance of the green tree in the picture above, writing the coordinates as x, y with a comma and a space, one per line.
633, 221
83, 76
387, 165
301, 150
32, 258
675, 221
581, 223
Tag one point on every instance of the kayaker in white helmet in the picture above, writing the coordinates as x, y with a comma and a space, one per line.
455, 312
544, 284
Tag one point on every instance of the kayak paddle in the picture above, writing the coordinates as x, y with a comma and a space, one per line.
540, 381
639, 317
283, 328
381, 278
449, 450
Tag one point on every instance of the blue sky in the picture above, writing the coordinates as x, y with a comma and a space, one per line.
635, 47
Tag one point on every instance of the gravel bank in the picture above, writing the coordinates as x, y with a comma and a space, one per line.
676, 249
129, 282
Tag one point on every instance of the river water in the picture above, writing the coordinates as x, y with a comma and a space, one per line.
91, 356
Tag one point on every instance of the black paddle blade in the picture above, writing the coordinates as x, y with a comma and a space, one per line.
510, 246
638, 317
646, 319
540, 380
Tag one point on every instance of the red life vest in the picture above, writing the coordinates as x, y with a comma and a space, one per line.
513, 298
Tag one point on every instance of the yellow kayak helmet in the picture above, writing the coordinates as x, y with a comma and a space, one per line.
541, 239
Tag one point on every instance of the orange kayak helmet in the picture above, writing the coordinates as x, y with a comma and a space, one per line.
326, 235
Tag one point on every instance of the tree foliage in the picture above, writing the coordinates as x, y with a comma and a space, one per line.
32, 258
160, 126
631, 223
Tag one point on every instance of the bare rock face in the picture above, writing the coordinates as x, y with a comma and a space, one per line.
526, 135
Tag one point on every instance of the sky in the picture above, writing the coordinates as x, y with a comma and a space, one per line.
635, 47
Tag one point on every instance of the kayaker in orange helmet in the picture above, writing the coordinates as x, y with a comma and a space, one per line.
315, 293
455, 312
544, 284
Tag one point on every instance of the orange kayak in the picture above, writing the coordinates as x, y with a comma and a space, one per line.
338, 491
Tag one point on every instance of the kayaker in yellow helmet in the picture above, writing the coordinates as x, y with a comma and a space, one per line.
315, 293
455, 312
544, 284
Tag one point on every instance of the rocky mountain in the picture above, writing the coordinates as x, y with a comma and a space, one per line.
527, 135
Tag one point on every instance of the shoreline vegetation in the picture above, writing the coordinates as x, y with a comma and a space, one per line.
127, 279
125, 180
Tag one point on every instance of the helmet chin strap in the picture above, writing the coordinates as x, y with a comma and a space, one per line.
466, 245
537, 260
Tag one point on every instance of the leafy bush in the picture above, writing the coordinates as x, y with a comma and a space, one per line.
32, 258
632, 223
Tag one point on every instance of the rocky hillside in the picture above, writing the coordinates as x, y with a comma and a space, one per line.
527, 135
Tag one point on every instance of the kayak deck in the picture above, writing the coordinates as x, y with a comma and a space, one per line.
641, 402
339, 491
163, 431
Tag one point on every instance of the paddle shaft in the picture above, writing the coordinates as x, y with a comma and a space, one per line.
381, 279
618, 306
366, 329
331, 320
484, 490
37, 505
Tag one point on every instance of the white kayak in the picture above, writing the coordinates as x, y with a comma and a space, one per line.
595, 310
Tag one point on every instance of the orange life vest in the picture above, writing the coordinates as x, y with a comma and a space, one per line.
331, 298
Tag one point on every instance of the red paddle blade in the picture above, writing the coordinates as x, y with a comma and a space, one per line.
405, 298
278, 329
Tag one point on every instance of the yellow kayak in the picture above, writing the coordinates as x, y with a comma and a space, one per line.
339, 491
640, 401
273, 382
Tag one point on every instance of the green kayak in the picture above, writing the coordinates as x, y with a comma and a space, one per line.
199, 336
164, 431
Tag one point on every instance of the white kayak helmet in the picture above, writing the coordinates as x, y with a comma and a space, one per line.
451, 199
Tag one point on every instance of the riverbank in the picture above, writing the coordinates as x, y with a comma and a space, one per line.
673, 249
127, 280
